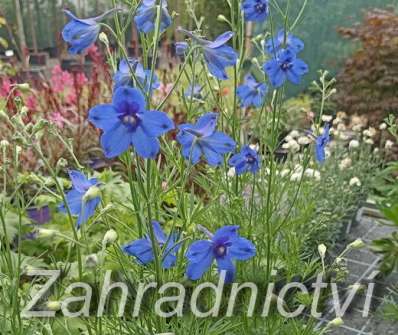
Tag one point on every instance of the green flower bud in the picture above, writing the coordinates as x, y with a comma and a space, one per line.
23, 87
92, 193
357, 244
109, 237
103, 38
54, 306
336, 322
4, 144
46, 233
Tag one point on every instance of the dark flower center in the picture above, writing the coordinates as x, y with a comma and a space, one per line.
129, 115
260, 7
250, 159
220, 250
286, 66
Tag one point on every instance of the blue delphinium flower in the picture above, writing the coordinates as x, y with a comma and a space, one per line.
284, 66
255, 10
247, 160
252, 93
82, 33
278, 42
202, 139
181, 48
143, 250
320, 144
225, 246
193, 92
146, 16
126, 122
123, 76
218, 55
84, 197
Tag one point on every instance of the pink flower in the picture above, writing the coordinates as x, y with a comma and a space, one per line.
31, 102
165, 89
81, 79
58, 119
5, 87
60, 80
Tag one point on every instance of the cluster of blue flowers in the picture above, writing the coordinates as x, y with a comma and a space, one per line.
127, 123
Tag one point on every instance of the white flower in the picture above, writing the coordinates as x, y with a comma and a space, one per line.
369, 141
304, 140
296, 176
357, 128
389, 144
383, 126
231, 172
355, 182
294, 133
289, 138
370, 132
337, 121
284, 173
341, 127
327, 118
345, 163
311, 173
354, 144
291, 145
344, 136
322, 250
109, 237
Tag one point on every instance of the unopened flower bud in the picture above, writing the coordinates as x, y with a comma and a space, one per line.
336, 322
109, 237
18, 150
46, 233
4, 144
54, 305
103, 38
357, 244
222, 18
62, 162
23, 86
91, 261
92, 193
322, 250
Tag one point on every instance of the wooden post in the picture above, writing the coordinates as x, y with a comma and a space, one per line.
32, 26
21, 34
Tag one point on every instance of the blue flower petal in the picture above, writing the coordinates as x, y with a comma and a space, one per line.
103, 116
79, 181
141, 250
146, 146
242, 249
225, 264
226, 233
74, 201
116, 140
87, 211
219, 142
213, 158
156, 123
159, 233
126, 98
181, 48
200, 257
206, 124
221, 40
